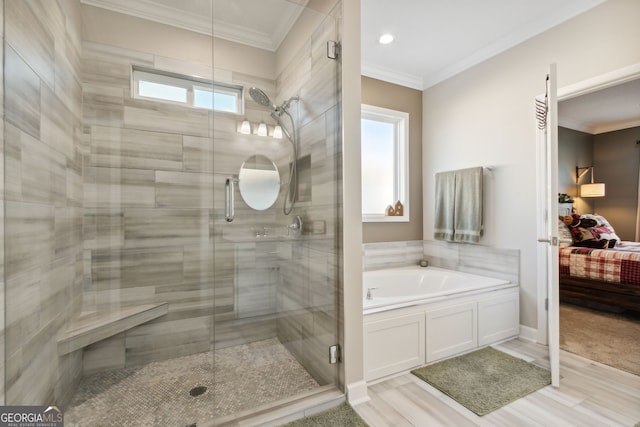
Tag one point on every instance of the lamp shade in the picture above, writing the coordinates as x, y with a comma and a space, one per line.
245, 127
592, 190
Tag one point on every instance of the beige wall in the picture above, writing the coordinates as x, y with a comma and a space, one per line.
615, 155
575, 148
351, 267
400, 98
485, 116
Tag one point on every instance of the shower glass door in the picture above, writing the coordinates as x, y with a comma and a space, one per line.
108, 202
276, 216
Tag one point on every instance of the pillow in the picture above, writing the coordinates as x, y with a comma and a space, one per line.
564, 234
607, 231
593, 231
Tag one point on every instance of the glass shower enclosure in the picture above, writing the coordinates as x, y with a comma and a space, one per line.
171, 213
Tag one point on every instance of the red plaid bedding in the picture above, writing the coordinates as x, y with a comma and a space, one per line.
619, 265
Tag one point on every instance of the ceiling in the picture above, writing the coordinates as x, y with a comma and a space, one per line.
606, 110
434, 39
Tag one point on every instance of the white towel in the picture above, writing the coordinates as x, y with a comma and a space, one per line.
467, 209
444, 206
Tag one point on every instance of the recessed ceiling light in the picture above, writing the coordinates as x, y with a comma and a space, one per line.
385, 38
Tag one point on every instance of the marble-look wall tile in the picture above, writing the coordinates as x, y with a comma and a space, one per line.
68, 87
184, 190
105, 355
115, 55
237, 332
2, 219
309, 281
147, 209
129, 148
43, 167
483, 260
28, 31
148, 228
103, 105
28, 236
118, 188
159, 340
58, 124
153, 116
151, 267
255, 279
67, 231
197, 154
492, 262
103, 228
22, 93
391, 254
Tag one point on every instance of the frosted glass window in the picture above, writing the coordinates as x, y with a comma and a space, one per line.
206, 98
377, 165
186, 90
161, 91
385, 167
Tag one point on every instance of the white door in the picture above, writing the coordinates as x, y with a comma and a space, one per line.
548, 218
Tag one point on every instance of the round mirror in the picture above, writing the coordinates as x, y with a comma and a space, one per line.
259, 182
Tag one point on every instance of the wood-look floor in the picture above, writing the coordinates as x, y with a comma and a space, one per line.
590, 394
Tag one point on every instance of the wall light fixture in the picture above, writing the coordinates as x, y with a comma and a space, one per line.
593, 189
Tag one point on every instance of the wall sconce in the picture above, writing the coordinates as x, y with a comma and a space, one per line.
277, 132
262, 129
245, 127
592, 189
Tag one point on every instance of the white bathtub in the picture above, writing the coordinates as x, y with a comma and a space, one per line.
401, 287
420, 315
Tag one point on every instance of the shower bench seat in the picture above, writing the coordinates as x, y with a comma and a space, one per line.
91, 327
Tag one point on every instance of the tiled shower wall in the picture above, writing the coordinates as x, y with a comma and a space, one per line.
476, 259
307, 292
148, 189
43, 197
2, 288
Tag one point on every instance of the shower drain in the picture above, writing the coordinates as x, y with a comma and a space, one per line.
197, 391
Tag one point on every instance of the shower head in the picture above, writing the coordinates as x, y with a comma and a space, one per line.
261, 98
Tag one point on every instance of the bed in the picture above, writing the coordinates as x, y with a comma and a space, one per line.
596, 267
603, 278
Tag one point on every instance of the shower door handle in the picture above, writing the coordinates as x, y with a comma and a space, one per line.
229, 202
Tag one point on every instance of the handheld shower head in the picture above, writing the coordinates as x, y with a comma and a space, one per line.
261, 98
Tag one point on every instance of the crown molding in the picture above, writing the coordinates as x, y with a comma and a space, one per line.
204, 24
392, 76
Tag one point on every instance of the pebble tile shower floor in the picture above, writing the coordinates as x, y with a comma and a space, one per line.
158, 394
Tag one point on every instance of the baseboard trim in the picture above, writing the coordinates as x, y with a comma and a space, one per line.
357, 393
529, 334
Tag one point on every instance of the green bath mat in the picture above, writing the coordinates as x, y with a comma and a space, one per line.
342, 416
484, 380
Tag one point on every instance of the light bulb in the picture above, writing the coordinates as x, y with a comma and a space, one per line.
277, 132
245, 127
262, 129
385, 38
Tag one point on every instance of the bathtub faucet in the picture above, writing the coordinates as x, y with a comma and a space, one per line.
369, 296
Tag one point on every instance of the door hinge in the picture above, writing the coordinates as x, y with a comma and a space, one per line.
334, 354
546, 304
333, 49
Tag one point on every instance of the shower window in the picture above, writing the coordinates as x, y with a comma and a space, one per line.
186, 90
385, 163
